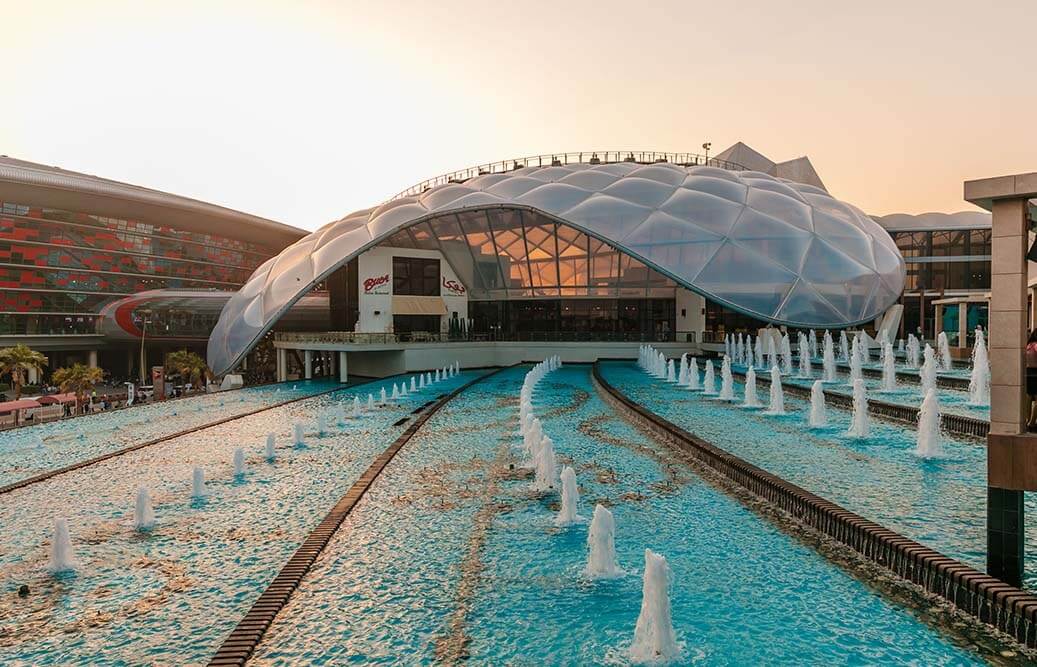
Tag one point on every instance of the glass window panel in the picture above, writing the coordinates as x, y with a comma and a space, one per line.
511, 248
979, 242
480, 243
979, 275
423, 237
540, 241
454, 246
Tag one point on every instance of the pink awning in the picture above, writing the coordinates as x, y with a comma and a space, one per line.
9, 406
57, 398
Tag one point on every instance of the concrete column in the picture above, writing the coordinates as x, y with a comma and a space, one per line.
1007, 456
282, 364
1009, 404
963, 324
308, 363
92, 359
343, 368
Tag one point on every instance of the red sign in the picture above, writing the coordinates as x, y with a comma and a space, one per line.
454, 286
371, 284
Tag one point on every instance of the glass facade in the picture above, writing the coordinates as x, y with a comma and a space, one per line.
941, 263
574, 319
58, 268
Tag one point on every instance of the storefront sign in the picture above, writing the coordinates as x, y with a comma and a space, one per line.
453, 287
377, 285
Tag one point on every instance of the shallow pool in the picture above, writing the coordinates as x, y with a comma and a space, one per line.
941, 503
450, 556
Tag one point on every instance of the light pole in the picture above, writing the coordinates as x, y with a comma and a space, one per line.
143, 331
706, 146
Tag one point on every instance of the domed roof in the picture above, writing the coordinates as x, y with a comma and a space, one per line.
780, 251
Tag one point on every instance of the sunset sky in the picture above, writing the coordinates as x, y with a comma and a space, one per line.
305, 111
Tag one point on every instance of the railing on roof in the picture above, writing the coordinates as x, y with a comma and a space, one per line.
559, 159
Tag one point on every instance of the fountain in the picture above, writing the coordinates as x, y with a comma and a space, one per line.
812, 344
421, 381
772, 350
818, 412
889, 371
437, 378
727, 345
567, 515
356, 407
322, 426
682, 377
239, 462
805, 369
740, 350
143, 512
546, 467
269, 451
828, 359
383, 397
299, 435
946, 363
751, 399
413, 384
777, 405
727, 384
693, 375
340, 414
709, 385
62, 556
929, 445
979, 380
912, 351
865, 346
601, 545
654, 638
671, 375
844, 349
927, 373
900, 345
786, 355
395, 392
370, 402
856, 362
759, 351
198, 483
859, 426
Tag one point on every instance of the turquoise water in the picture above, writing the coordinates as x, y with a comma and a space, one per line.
450, 556
31, 450
170, 596
941, 503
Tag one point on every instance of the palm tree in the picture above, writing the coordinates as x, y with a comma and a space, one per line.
78, 379
189, 366
17, 361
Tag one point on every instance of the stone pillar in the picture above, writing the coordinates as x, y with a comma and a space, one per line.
282, 364
343, 367
1009, 404
308, 363
1008, 462
92, 359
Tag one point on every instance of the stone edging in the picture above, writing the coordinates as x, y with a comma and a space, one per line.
1006, 608
242, 641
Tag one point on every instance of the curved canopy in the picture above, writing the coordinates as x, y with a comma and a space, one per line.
776, 250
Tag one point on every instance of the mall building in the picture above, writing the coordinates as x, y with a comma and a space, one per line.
588, 254
115, 275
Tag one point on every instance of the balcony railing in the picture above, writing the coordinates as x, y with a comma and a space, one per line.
356, 338
559, 159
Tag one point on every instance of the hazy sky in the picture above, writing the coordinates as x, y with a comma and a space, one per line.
305, 111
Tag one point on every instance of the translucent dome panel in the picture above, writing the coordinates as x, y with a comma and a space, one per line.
770, 248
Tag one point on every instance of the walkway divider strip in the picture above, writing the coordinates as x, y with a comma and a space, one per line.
992, 601
960, 424
42, 477
242, 641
